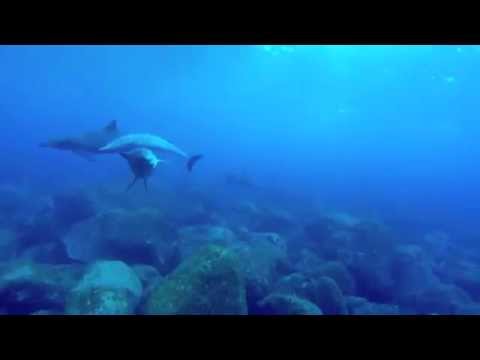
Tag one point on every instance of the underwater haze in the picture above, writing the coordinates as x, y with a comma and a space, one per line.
334, 180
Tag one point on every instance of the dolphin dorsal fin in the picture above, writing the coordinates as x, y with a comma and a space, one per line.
111, 127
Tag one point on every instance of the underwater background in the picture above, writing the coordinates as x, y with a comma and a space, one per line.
334, 180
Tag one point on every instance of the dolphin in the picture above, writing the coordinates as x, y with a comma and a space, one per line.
130, 142
142, 162
86, 145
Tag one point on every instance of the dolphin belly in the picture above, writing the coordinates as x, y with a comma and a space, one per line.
130, 142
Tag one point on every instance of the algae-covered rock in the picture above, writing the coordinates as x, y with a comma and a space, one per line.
192, 238
322, 291
26, 287
209, 282
283, 304
361, 306
107, 288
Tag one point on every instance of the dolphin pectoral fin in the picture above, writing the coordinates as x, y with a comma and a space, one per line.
192, 161
131, 184
145, 184
86, 155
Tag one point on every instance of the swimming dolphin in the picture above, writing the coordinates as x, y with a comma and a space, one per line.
142, 162
132, 141
86, 145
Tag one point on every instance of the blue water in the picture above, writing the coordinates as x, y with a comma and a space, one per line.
382, 132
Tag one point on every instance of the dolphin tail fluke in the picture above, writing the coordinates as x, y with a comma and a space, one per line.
131, 184
192, 161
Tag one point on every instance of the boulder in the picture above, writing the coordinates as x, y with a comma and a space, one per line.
107, 288
209, 282
322, 291
140, 236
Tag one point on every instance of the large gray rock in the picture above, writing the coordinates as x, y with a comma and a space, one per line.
140, 236
107, 288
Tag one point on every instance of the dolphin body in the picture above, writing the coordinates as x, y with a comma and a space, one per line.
127, 143
88, 144
142, 162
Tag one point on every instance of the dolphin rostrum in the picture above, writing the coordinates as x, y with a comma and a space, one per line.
130, 142
87, 144
142, 162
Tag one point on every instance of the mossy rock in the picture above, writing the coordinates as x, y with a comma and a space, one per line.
323, 291
209, 282
283, 304
26, 287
